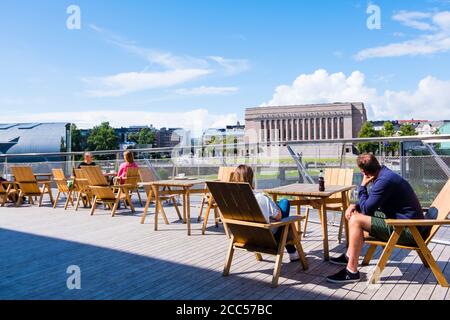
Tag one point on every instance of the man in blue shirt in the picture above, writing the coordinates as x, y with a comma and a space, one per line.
390, 197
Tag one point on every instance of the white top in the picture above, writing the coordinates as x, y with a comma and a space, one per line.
268, 207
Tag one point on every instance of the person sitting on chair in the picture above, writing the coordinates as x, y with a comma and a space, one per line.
390, 197
88, 160
129, 163
271, 210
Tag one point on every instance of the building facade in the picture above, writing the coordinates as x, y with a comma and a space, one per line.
306, 122
281, 124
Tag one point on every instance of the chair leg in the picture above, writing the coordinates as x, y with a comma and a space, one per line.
306, 221
429, 257
114, 209
202, 206
94, 205
390, 246
299, 247
78, 200
229, 259
422, 257
205, 220
40, 199
161, 208
369, 254
177, 209
139, 197
56, 199
279, 259
69, 199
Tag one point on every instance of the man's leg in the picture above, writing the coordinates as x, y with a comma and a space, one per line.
358, 223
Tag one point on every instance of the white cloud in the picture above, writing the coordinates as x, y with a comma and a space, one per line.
203, 90
231, 66
436, 40
413, 19
125, 83
171, 70
430, 100
195, 120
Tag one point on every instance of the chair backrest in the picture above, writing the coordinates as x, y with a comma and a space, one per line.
133, 176
60, 180
237, 201
147, 175
439, 209
226, 174
81, 182
22, 174
338, 177
95, 176
27, 181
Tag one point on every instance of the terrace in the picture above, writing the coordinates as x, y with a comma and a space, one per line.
120, 258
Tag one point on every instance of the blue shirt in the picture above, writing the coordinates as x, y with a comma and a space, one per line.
392, 195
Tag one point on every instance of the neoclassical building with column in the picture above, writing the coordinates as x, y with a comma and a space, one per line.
330, 121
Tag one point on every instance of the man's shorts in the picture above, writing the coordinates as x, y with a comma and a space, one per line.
381, 231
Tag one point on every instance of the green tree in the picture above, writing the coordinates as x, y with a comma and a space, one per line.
368, 131
389, 131
102, 137
407, 129
143, 137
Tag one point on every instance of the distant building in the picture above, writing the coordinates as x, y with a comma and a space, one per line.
20, 138
169, 137
283, 124
378, 125
232, 137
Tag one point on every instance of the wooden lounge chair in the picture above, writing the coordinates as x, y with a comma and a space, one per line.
29, 185
110, 196
225, 175
61, 183
248, 227
435, 217
132, 178
149, 175
81, 184
334, 177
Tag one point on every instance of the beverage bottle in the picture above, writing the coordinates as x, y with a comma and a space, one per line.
321, 181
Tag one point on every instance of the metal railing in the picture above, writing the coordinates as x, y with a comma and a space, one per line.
427, 172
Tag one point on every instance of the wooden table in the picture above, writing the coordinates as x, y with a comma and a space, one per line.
182, 187
308, 194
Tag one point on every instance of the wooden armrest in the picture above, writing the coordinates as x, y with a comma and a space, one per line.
247, 223
43, 181
286, 221
416, 222
125, 186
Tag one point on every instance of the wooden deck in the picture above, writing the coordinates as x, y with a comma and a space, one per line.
122, 259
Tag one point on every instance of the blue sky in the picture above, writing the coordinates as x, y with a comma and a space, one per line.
199, 63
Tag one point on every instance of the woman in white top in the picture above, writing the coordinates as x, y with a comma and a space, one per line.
271, 210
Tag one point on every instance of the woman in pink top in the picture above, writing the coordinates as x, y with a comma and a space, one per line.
129, 163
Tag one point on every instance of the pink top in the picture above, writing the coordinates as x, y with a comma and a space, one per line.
124, 168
